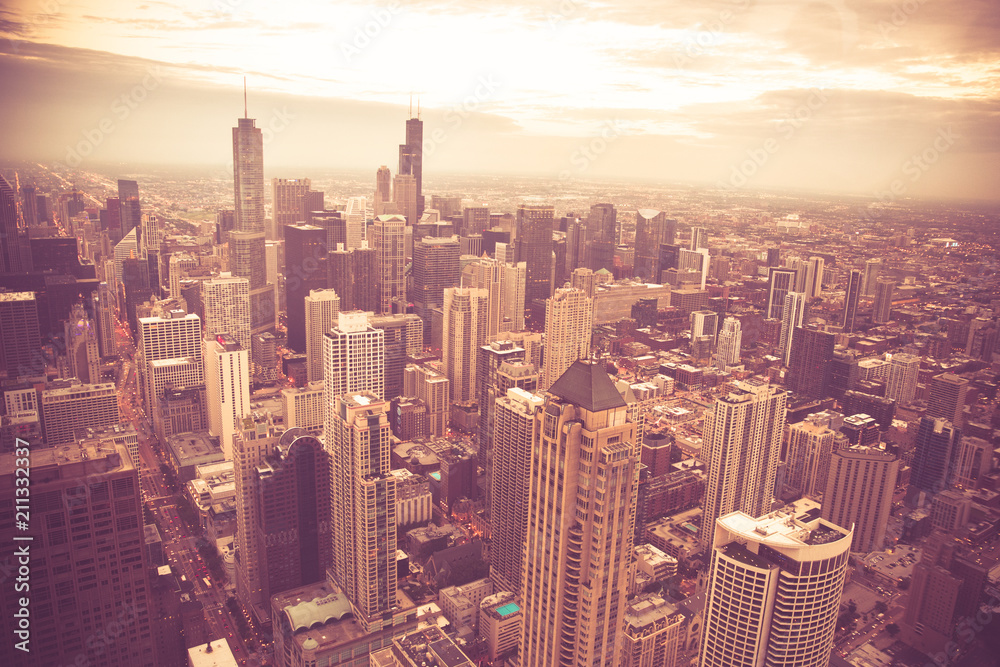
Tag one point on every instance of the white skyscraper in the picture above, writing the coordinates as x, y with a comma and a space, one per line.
227, 380
486, 273
226, 302
170, 353
354, 357
390, 258
793, 314
730, 340
904, 370
466, 317
322, 308
872, 268
512, 281
774, 592
82, 354
741, 443
569, 316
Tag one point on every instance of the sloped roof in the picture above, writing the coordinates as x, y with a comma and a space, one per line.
589, 386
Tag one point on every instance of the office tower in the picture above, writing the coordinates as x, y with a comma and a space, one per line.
882, 311
935, 454
435, 267
809, 363
170, 349
512, 289
945, 593
291, 488
809, 277
305, 271
363, 504
225, 302
779, 283
578, 540
699, 238
103, 307
411, 160
975, 460
150, 234
514, 434
694, 261
434, 389
303, 407
774, 592
137, 287
742, 445
851, 294
872, 268
131, 211
286, 202
111, 218
248, 176
704, 323
807, 461
773, 257
491, 357
730, 340
569, 318
127, 247
404, 197
383, 192
859, 492
947, 398
247, 257
82, 355
89, 588
227, 380
490, 274
402, 335
29, 205
534, 247
15, 253
225, 221
653, 633
20, 339
390, 259
650, 231
600, 237
475, 220
901, 384
322, 307
354, 356
73, 406
463, 333
355, 219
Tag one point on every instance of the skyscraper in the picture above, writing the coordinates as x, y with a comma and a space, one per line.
742, 445
363, 503
15, 253
390, 259
248, 176
286, 202
20, 339
859, 493
774, 592
650, 231
435, 267
82, 354
515, 428
809, 363
779, 283
305, 270
131, 211
227, 381
402, 335
901, 383
463, 333
488, 388
354, 357
103, 306
807, 461
600, 237
809, 277
947, 398
730, 340
322, 307
225, 301
872, 268
851, 295
935, 454
582, 490
170, 349
72, 406
569, 316
534, 247
882, 311
411, 160
383, 191
404, 197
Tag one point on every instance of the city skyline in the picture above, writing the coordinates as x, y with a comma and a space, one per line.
832, 97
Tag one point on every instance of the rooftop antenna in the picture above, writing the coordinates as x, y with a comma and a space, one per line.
418, 107
411, 105
244, 97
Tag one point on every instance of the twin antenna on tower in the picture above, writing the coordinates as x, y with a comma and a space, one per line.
411, 107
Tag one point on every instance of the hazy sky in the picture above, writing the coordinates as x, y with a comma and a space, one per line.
861, 96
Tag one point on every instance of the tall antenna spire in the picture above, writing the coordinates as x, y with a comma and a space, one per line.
244, 97
411, 105
418, 107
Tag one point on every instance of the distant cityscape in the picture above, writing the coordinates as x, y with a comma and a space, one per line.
373, 419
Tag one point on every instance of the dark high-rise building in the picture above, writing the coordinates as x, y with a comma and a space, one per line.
934, 455
29, 205
851, 300
435, 268
779, 283
774, 257
475, 220
947, 398
56, 254
383, 190
882, 409
670, 258
135, 279
397, 330
600, 237
844, 373
131, 211
491, 357
20, 341
809, 366
111, 218
882, 311
411, 158
291, 489
305, 270
651, 229
491, 237
15, 255
534, 246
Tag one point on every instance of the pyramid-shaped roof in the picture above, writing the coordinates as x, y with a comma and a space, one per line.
588, 385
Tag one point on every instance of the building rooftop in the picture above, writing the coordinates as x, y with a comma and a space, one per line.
216, 653
588, 385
